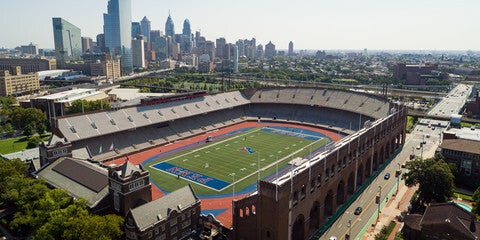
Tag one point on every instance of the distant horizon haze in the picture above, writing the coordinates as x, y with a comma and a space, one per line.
376, 25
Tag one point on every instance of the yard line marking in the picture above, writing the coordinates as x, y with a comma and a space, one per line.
211, 145
196, 156
217, 148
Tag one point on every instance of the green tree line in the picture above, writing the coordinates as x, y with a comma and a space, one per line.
45, 213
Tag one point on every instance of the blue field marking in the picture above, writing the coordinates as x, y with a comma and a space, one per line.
191, 176
296, 132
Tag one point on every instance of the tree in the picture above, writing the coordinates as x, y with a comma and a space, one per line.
8, 128
29, 130
434, 177
33, 142
476, 201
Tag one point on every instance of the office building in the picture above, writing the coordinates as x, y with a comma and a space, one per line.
290, 48
169, 27
101, 42
221, 45
87, 44
417, 74
186, 40
462, 147
146, 28
136, 29
30, 49
270, 50
67, 38
118, 29
28, 65
14, 82
138, 52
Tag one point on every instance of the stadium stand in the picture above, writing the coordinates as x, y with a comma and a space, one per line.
145, 126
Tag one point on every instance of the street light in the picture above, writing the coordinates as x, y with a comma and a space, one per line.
349, 225
233, 189
398, 178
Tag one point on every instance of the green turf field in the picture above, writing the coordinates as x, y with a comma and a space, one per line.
221, 159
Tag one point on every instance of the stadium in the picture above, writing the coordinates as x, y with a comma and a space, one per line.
289, 158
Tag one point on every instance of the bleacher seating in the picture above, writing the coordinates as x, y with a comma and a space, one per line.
144, 126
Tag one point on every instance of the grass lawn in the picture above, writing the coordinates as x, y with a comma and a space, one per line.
12, 145
463, 196
221, 158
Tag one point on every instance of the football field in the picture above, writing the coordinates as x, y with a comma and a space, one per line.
234, 160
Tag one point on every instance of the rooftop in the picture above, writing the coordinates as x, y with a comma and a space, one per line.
462, 145
159, 209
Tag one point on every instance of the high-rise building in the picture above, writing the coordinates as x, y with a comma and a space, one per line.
169, 27
138, 52
67, 38
290, 48
186, 39
117, 27
221, 47
136, 29
270, 50
101, 42
187, 29
29, 49
146, 28
87, 44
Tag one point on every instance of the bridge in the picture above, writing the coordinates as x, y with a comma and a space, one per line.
420, 114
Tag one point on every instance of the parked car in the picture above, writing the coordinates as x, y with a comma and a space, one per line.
358, 210
387, 176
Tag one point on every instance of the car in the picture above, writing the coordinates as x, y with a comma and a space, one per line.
427, 136
404, 165
358, 210
433, 128
387, 176
418, 147
332, 238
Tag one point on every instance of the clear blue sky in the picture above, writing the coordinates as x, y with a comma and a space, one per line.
310, 24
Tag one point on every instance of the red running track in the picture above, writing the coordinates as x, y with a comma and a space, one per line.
212, 203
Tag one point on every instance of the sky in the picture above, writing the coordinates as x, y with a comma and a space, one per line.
309, 24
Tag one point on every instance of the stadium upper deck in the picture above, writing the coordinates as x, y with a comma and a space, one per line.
80, 127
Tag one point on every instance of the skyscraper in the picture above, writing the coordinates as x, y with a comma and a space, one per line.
290, 48
270, 50
87, 44
136, 29
138, 52
117, 26
101, 42
169, 27
68, 40
186, 38
187, 30
146, 28
221, 47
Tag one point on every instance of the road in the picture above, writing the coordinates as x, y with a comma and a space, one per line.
428, 131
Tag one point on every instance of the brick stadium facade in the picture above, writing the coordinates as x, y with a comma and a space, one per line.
294, 208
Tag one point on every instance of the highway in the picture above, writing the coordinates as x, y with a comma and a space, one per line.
426, 130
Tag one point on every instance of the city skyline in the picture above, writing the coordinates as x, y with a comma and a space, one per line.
371, 24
